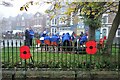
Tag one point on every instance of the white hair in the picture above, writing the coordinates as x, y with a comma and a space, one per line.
27, 28
44, 32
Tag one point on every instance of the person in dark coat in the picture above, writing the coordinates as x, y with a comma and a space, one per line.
31, 32
27, 37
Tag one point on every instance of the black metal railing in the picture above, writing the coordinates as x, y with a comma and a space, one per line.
55, 57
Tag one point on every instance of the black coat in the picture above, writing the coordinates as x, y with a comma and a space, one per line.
27, 38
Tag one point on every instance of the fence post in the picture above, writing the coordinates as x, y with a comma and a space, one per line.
33, 45
4, 49
0, 61
75, 74
115, 51
119, 60
8, 50
13, 76
16, 51
37, 54
12, 53
20, 58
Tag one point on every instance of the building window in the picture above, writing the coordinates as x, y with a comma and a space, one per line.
105, 18
55, 21
52, 21
104, 32
55, 30
118, 31
52, 29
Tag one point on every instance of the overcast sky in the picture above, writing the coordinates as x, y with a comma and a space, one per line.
15, 10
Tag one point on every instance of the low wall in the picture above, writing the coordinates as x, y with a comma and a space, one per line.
61, 75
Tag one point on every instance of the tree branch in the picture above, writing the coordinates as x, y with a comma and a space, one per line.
108, 7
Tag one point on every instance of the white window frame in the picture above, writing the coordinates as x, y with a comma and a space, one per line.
101, 31
106, 18
53, 29
117, 32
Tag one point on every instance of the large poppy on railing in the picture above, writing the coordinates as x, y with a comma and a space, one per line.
91, 47
25, 52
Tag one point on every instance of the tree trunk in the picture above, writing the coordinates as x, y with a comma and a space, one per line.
112, 32
91, 33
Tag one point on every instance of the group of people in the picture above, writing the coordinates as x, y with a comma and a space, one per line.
45, 37
64, 40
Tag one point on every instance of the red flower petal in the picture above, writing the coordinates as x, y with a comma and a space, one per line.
91, 47
25, 52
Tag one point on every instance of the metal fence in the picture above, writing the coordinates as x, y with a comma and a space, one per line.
54, 57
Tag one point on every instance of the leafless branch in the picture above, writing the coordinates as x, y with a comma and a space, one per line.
7, 4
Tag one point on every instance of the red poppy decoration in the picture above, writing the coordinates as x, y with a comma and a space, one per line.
91, 47
25, 52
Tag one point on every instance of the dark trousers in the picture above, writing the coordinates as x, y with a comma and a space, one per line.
66, 45
27, 42
30, 42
